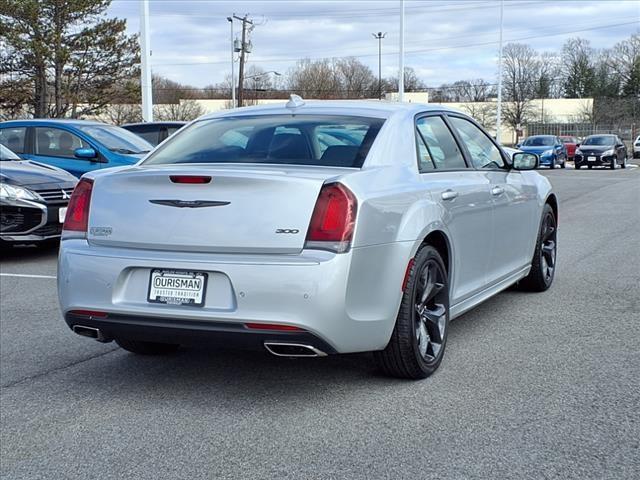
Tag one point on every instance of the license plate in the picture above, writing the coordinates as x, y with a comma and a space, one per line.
177, 287
591, 159
61, 214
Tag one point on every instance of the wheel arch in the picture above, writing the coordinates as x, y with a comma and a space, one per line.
440, 241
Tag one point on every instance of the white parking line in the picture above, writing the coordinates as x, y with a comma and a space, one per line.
25, 275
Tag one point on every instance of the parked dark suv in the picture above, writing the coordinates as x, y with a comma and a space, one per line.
599, 150
154, 132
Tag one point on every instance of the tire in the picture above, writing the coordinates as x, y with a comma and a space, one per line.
147, 348
590, 167
578, 167
564, 163
543, 264
419, 337
614, 163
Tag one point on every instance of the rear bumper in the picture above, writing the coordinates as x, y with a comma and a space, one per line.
192, 332
349, 302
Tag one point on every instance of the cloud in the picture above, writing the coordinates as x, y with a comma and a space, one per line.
444, 40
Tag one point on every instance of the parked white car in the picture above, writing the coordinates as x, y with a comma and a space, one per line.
636, 147
308, 229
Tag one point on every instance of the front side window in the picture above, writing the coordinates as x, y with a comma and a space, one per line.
437, 149
321, 140
54, 142
484, 153
13, 138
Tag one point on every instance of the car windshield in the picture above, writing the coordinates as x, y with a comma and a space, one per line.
600, 140
117, 139
569, 140
321, 140
539, 142
6, 154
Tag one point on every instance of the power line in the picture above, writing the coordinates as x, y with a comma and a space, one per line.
413, 52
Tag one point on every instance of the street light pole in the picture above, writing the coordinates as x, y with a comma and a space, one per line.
401, 72
499, 109
145, 71
379, 36
233, 70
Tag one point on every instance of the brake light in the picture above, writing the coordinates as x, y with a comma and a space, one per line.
88, 313
190, 179
77, 216
333, 220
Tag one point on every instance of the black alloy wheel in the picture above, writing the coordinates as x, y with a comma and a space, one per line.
543, 264
417, 343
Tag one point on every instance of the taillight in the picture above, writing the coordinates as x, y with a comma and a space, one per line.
333, 219
77, 216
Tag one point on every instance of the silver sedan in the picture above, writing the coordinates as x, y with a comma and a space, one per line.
308, 228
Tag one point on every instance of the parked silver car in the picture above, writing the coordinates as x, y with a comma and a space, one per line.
307, 229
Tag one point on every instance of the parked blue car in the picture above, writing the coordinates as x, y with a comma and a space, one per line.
549, 148
77, 146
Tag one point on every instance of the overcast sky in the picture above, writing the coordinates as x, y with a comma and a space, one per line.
444, 40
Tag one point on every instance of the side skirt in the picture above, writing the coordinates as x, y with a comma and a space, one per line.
471, 302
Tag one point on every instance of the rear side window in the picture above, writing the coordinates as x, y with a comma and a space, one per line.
437, 149
322, 140
13, 138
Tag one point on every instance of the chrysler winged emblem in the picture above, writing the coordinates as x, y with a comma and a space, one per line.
189, 203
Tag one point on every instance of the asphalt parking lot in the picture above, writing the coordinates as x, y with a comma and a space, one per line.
532, 385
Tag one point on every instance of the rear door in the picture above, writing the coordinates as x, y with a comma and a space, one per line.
463, 194
514, 219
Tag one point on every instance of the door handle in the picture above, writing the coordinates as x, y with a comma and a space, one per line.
497, 191
449, 195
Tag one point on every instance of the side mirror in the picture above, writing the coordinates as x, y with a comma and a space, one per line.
577, 145
518, 145
525, 161
88, 153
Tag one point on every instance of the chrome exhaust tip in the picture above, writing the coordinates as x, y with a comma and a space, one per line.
280, 349
90, 332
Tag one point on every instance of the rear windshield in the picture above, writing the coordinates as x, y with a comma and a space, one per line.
322, 140
539, 142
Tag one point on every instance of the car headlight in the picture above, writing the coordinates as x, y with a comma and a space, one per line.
547, 153
13, 192
608, 152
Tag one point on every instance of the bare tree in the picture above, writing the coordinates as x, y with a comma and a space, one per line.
356, 79
625, 62
315, 79
120, 113
577, 69
484, 112
185, 110
521, 69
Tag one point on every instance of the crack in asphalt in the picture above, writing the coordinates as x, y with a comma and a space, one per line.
57, 369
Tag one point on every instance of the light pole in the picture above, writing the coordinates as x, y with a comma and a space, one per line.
233, 70
499, 107
145, 70
379, 36
401, 72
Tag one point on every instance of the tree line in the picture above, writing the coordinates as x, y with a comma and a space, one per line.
66, 58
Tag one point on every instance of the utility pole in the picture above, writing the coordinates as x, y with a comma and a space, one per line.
401, 72
145, 71
379, 36
233, 70
499, 109
245, 48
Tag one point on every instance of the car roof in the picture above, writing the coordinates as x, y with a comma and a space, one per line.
376, 108
50, 122
140, 124
540, 136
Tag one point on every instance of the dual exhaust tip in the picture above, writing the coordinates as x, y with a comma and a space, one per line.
279, 349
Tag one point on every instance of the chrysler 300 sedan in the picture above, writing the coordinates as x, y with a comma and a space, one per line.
244, 229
